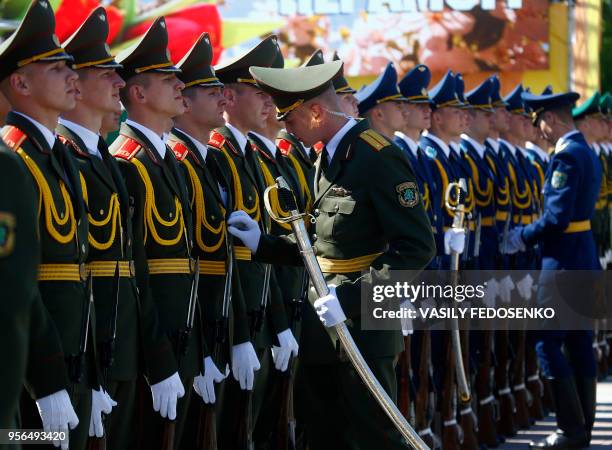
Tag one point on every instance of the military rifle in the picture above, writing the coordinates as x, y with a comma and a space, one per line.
76, 362
182, 342
207, 429
107, 357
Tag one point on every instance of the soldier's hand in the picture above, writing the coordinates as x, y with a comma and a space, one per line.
204, 385
524, 285
454, 240
166, 394
490, 293
242, 226
328, 308
101, 402
514, 243
505, 289
57, 415
244, 365
288, 347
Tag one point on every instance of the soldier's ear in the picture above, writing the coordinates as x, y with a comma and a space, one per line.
18, 82
137, 93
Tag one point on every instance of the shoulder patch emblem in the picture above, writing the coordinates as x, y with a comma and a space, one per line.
128, 149
407, 194
179, 149
284, 146
7, 233
559, 179
376, 140
216, 140
431, 152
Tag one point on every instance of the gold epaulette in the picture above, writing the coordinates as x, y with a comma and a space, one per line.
376, 140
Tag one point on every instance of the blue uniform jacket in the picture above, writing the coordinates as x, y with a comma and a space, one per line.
571, 188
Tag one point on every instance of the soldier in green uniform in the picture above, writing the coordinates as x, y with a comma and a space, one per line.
247, 108
369, 216
128, 334
162, 222
209, 192
39, 86
19, 257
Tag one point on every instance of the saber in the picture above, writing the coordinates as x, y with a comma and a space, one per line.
296, 220
459, 217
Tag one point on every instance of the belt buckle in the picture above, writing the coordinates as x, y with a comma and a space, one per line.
83, 271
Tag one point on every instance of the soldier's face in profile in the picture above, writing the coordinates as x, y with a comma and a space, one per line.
501, 121
480, 121
51, 85
252, 104
417, 115
304, 124
390, 113
163, 94
348, 105
99, 89
208, 103
450, 120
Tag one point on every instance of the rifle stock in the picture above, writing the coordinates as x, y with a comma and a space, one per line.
505, 423
487, 431
521, 414
469, 423
405, 400
424, 404
450, 429
534, 384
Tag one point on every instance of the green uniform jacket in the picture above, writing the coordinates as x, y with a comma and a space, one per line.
63, 240
364, 204
242, 168
162, 221
111, 239
289, 278
204, 181
19, 257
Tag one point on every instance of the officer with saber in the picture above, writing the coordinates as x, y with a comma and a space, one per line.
369, 217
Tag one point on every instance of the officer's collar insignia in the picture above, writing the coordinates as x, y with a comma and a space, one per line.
407, 194
424, 92
44, 4
559, 179
102, 17
422, 69
430, 151
7, 233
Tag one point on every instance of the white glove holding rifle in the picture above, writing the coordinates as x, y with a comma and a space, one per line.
57, 415
244, 365
204, 385
166, 394
288, 348
101, 403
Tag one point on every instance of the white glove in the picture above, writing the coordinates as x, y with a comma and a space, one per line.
505, 289
514, 242
57, 415
603, 262
490, 292
204, 385
524, 285
244, 365
244, 228
454, 240
406, 321
166, 394
328, 308
101, 402
288, 347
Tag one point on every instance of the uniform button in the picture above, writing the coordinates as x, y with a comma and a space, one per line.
250, 198
170, 215
316, 212
101, 212
62, 215
315, 237
83, 248
129, 242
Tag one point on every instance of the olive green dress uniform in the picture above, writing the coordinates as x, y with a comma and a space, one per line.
369, 217
139, 346
296, 153
162, 222
62, 230
19, 258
